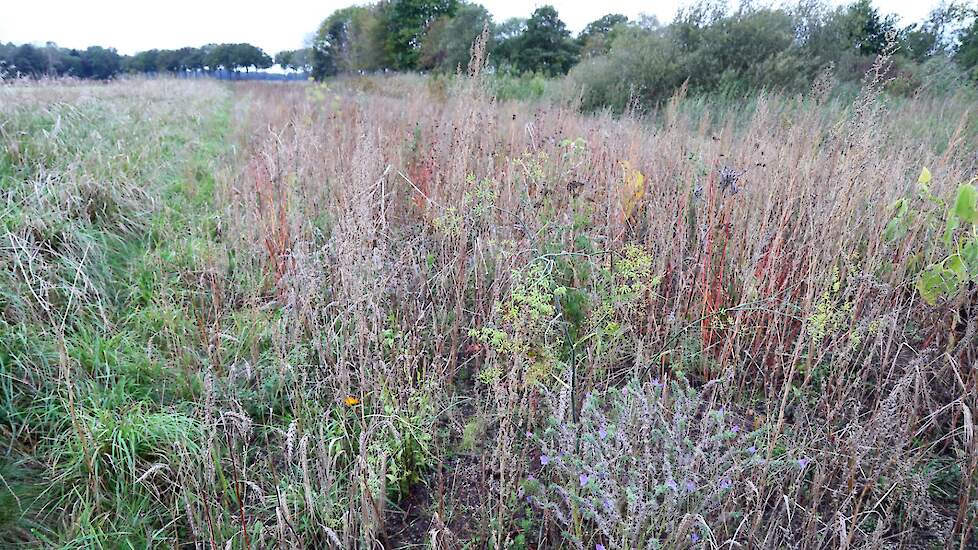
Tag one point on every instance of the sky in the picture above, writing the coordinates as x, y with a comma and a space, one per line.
132, 26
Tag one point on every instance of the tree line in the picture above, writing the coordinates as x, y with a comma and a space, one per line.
96, 62
617, 60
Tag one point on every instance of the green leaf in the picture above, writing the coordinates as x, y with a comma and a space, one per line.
895, 230
965, 205
955, 265
935, 282
924, 178
969, 254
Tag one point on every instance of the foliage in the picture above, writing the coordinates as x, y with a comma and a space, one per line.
406, 22
545, 46
447, 43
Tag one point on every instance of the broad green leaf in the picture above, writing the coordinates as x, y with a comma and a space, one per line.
955, 265
924, 178
965, 205
935, 282
895, 230
900, 206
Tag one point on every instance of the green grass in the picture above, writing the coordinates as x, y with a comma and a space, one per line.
90, 394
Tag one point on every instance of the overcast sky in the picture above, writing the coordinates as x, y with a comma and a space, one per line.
132, 26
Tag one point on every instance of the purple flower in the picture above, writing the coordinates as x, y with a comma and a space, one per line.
599, 546
671, 483
656, 383
752, 449
602, 433
529, 434
694, 537
544, 460
735, 429
725, 484
802, 462
608, 505
690, 486
584, 480
624, 391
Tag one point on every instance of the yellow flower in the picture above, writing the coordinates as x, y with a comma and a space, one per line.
351, 401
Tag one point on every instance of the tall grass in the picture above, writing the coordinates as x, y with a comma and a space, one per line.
406, 313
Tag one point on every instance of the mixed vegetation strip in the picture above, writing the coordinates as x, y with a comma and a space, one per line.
396, 312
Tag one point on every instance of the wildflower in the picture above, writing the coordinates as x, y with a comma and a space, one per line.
690, 486
695, 537
802, 462
599, 546
656, 383
351, 401
735, 429
752, 449
725, 484
544, 460
584, 480
671, 483
602, 433
608, 505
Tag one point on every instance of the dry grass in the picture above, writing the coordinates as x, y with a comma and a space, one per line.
425, 317
424, 247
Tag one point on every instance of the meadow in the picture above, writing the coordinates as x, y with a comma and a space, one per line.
400, 312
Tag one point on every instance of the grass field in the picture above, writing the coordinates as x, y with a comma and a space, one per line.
393, 312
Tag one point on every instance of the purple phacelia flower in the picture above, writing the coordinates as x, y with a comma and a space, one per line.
802, 462
584, 480
544, 460
752, 449
671, 483
602, 433
599, 546
725, 484
656, 383
608, 505
735, 429
694, 537
690, 486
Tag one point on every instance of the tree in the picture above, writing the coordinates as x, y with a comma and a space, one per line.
284, 59
248, 56
222, 56
351, 39
545, 46
293, 60
966, 52
406, 22
28, 61
448, 43
867, 30
596, 37
100, 63
935, 36
507, 38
